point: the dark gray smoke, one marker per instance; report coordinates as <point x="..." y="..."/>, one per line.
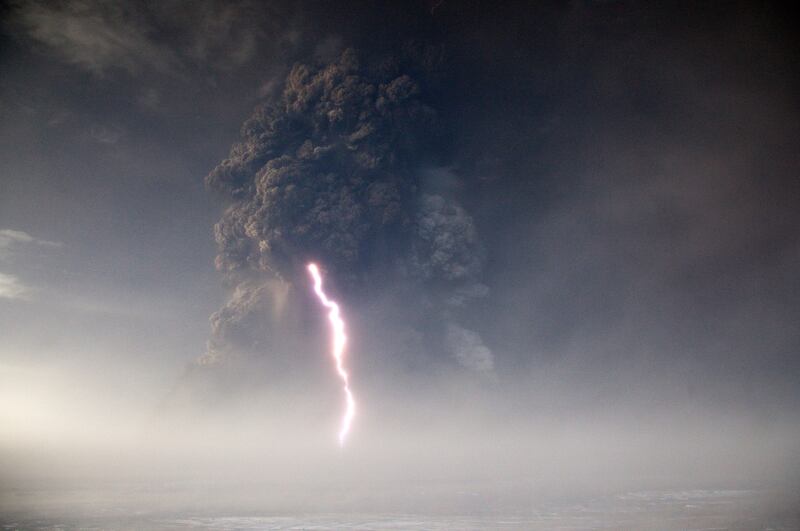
<point x="331" y="170"/>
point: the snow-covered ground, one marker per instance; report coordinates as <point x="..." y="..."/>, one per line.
<point x="651" y="510"/>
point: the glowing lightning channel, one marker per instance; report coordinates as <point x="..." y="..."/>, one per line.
<point x="339" y="341"/>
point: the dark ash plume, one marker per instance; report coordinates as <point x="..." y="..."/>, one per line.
<point x="326" y="170"/>
<point x="330" y="170"/>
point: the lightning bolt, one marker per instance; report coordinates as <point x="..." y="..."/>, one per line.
<point x="337" y="349"/>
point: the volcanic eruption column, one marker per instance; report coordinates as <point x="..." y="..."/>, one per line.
<point x="339" y="341"/>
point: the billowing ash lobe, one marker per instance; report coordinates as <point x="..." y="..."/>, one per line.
<point x="331" y="170"/>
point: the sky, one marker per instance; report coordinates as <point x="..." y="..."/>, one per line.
<point x="551" y="225"/>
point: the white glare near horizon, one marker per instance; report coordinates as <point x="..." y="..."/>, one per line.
<point x="337" y="349"/>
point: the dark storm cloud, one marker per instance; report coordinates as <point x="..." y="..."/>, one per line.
<point x="648" y="247"/>
<point x="331" y="170"/>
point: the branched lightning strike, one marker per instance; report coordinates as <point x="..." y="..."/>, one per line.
<point x="339" y="342"/>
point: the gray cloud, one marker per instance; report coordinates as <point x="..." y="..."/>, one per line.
<point x="105" y="134"/>
<point x="447" y="245"/>
<point x="96" y="35"/>
<point x="227" y="34"/>
<point x="467" y="293"/>
<point x="468" y="348"/>
<point x="149" y="99"/>
<point x="166" y="37"/>
<point x="233" y="326"/>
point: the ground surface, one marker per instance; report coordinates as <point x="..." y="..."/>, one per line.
<point x="651" y="510"/>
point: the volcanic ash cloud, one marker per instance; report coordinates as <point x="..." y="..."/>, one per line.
<point x="329" y="170"/>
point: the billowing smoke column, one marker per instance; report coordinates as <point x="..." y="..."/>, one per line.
<point x="337" y="350"/>
<point x="334" y="167"/>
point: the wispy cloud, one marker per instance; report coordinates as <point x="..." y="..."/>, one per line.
<point x="12" y="288"/>
<point x="105" y="135"/>
<point x="136" y="37"/>
<point x="10" y="285"/>
<point x="468" y="348"/>
<point x="96" y="35"/>
<point x="11" y="237"/>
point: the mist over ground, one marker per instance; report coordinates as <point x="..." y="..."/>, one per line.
<point x="563" y="237"/>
